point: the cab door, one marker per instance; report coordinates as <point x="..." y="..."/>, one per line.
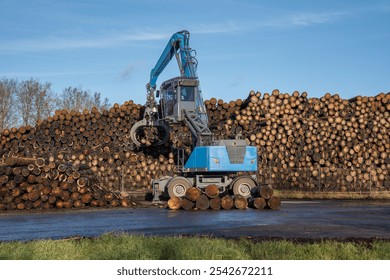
<point x="168" y="103"/>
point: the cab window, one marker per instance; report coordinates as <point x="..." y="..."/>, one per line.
<point x="170" y="95"/>
<point x="187" y="93"/>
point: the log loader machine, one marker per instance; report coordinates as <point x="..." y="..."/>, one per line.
<point x="230" y="163"/>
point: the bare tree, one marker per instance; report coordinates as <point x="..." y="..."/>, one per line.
<point x="78" y="99"/>
<point x="7" y="102"/>
<point x="27" y="102"/>
<point x="35" y="101"/>
<point x="98" y="103"/>
<point x="74" y="99"/>
<point x="25" y="99"/>
<point x="44" y="102"/>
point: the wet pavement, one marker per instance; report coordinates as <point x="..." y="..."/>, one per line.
<point x="307" y="220"/>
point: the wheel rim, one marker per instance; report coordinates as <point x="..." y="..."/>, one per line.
<point x="244" y="189"/>
<point x="179" y="190"/>
<point x="243" y="186"/>
<point x="178" y="186"/>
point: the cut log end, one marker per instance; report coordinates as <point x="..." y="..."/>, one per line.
<point x="240" y="202"/>
<point x="227" y="202"/>
<point x="202" y="203"/>
<point x="212" y="191"/>
<point x="174" y="203"/>
<point x="258" y="202"/>
<point x="274" y="202"/>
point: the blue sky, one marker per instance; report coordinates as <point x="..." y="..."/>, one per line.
<point x="111" y="46"/>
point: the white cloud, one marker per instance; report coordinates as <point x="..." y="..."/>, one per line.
<point x="286" y="21"/>
<point x="52" y="43"/>
<point x="315" y="18"/>
<point x="222" y="27"/>
<point x="45" y="74"/>
<point x="116" y="38"/>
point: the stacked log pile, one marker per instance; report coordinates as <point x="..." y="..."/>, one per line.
<point x="94" y="145"/>
<point x="326" y="143"/>
<point x="98" y="140"/>
<point x="28" y="183"/>
<point x="262" y="197"/>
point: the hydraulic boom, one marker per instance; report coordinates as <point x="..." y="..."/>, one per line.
<point x="181" y="98"/>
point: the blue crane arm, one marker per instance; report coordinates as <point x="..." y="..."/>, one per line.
<point x="178" y="46"/>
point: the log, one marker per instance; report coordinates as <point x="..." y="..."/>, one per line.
<point x="78" y="204"/>
<point x="227" y="202"/>
<point x="174" y="203"/>
<point x="86" y="198"/>
<point x="202" y="202"/>
<point x="19" y="161"/>
<point x="215" y="203"/>
<point x="125" y="202"/>
<point x="34" y="195"/>
<point x="265" y="191"/>
<point x="193" y="193"/>
<point x="240" y="202"/>
<point x="187" y="204"/>
<point x="274" y="202"/>
<point x="82" y="182"/>
<point x="212" y="191"/>
<point x="40" y="162"/>
<point x="257" y="202"/>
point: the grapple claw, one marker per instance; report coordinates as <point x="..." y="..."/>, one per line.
<point x="149" y="133"/>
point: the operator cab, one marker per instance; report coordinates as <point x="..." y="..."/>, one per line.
<point x="179" y="94"/>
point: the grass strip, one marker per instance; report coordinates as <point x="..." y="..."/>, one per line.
<point x="131" y="247"/>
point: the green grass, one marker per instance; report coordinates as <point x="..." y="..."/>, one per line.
<point x="121" y="247"/>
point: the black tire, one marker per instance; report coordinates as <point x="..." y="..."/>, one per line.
<point x="178" y="186"/>
<point x="242" y="186"/>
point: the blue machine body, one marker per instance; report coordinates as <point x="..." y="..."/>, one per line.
<point x="217" y="159"/>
